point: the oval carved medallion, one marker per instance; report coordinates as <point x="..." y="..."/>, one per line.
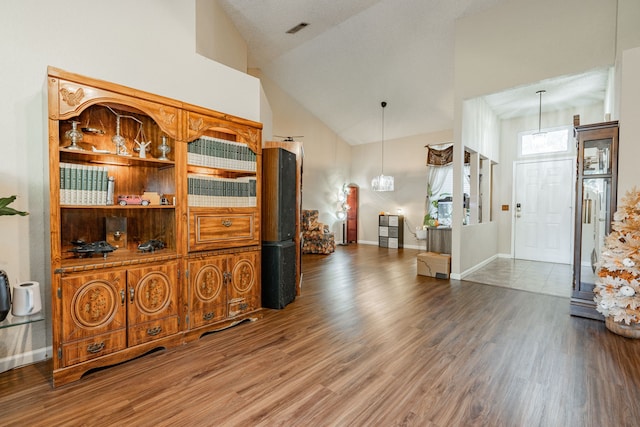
<point x="208" y="283"/>
<point x="243" y="276"/>
<point x="153" y="292"/>
<point x="94" y="304"/>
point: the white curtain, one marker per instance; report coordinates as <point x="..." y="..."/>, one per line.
<point x="436" y="177"/>
<point x="467" y="177"/>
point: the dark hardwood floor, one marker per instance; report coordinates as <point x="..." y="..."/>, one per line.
<point x="369" y="343"/>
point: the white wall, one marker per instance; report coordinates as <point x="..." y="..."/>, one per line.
<point x="503" y="190"/>
<point x="520" y="41"/>
<point x="628" y="163"/>
<point x="217" y="37"/>
<point x="480" y="129"/>
<point x="144" y="44"/>
<point x="327" y="158"/>
<point x="516" y="43"/>
<point x="405" y="160"/>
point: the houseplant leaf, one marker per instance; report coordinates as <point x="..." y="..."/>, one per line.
<point x="6" y="210"/>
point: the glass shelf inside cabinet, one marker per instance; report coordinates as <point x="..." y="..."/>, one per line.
<point x="20" y="320"/>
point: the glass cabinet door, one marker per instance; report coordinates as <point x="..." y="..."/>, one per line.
<point x="597" y="157"/>
<point x="596" y="224"/>
<point x="595" y="204"/>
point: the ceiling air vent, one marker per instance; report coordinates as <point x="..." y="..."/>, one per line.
<point x="297" y="28"/>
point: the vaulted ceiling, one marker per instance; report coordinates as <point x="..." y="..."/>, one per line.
<point x="356" y="53"/>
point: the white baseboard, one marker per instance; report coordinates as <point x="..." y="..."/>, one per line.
<point x="27" y="358"/>
<point x="368" y="242"/>
<point x="476" y="267"/>
<point x="415" y="247"/>
<point x="372" y="243"/>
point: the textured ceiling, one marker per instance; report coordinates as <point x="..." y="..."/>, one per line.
<point x="356" y="53"/>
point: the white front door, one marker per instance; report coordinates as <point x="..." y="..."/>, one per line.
<point x="543" y="211"/>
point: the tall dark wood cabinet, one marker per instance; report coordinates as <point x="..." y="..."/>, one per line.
<point x="278" y="227"/>
<point x="279" y="195"/>
<point x="596" y="195"/>
<point x="296" y="148"/>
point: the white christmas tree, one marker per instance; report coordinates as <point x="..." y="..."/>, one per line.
<point x="617" y="290"/>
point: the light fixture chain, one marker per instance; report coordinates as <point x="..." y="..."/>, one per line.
<point x="382" y="182"/>
<point x="382" y="165"/>
<point x="540" y="92"/>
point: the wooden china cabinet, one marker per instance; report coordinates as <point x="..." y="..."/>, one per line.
<point x="154" y="219"/>
<point x="223" y="249"/>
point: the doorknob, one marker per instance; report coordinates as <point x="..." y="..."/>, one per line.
<point x="518" y="210"/>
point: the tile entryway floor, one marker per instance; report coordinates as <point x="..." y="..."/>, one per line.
<point x="539" y="277"/>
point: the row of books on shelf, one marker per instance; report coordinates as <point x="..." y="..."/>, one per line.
<point x="220" y="153"/>
<point x="206" y="191"/>
<point x="83" y="184"/>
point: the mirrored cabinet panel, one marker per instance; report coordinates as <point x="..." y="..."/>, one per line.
<point x="597" y="148"/>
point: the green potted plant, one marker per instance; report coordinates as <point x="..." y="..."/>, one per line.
<point x="5" y="290"/>
<point x="6" y="210"/>
<point x="429" y="219"/>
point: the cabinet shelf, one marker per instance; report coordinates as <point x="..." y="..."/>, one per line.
<point x="216" y="171"/>
<point x="11" y="321"/>
<point x="118" y="258"/>
<point x="111" y="159"/>
<point x="119" y="207"/>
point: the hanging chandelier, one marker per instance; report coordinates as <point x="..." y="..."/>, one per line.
<point x="540" y="136"/>
<point x="382" y="182"/>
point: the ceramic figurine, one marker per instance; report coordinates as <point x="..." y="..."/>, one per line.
<point x="141" y="147"/>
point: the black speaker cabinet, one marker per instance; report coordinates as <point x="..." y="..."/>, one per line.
<point x="278" y="273"/>
<point x="278" y="195"/>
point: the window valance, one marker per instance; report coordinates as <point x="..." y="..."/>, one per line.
<point x="444" y="157"/>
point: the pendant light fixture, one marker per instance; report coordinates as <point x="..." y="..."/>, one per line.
<point x="382" y="182"/>
<point x="540" y="136"/>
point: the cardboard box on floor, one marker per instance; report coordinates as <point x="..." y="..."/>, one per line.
<point x="433" y="264"/>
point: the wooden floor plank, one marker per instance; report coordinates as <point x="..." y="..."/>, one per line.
<point x="367" y="343"/>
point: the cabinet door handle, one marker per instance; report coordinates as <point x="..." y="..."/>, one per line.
<point x="208" y="316"/>
<point x="122" y="297"/>
<point x="96" y="347"/>
<point x="227" y="222"/>
<point x="154" y="331"/>
<point x="132" y="293"/>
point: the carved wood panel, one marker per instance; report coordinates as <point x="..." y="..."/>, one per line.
<point x="244" y="288"/>
<point x="152" y="293"/>
<point x="92" y="304"/>
<point x="199" y="124"/>
<point x="74" y="98"/>
<point x="208" y="290"/>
